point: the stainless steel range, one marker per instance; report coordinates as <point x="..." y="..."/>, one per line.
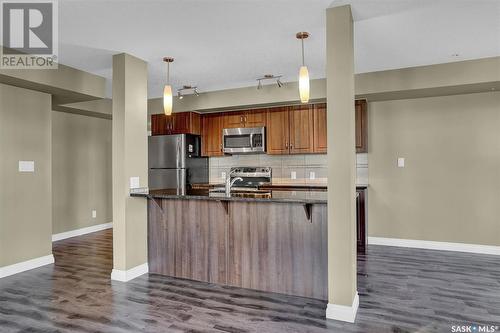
<point x="245" y="182"/>
<point x="251" y="177"/>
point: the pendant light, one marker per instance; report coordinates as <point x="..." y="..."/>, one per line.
<point x="167" y="91"/>
<point x="303" y="72"/>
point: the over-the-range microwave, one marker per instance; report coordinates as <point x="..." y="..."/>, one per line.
<point x="246" y="140"/>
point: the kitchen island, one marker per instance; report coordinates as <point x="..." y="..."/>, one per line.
<point x="271" y="240"/>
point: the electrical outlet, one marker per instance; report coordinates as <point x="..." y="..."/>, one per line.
<point x="26" y="166"/>
<point x="223" y="175"/>
<point x="293" y="175"/>
<point x="94" y="213"/>
<point x="134" y="182"/>
<point x="401" y="162"/>
<point x="312" y="175"/>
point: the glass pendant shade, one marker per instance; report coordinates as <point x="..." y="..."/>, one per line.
<point x="167" y="100"/>
<point x="304" y="84"/>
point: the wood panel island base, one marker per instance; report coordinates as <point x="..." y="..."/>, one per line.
<point x="263" y="244"/>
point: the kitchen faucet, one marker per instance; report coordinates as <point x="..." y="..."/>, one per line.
<point x="230" y="183"/>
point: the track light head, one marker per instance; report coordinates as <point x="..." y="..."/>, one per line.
<point x="259" y="85"/>
<point x="196" y="92"/>
<point x="180" y="95"/>
<point x="280" y="84"/>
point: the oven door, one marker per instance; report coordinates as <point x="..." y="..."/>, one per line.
<point x="243" y="140"/>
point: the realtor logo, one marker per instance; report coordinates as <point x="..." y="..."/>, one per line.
<point x="29" y="34"/>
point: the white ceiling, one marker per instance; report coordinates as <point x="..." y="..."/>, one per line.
<point x="220" y="44"/>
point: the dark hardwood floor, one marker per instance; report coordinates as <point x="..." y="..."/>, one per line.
<point x="401" y="290"/>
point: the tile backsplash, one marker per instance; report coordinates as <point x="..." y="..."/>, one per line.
<point x="310" y="169"/>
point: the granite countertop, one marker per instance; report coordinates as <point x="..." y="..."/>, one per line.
<point x="284" y="196"/>
<point x="287" y="186"/>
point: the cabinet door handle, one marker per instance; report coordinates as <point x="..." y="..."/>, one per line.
<point x="286" y="144"/>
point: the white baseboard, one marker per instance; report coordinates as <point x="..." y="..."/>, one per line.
<point x="343" y="312"/>
<point x="82" y="231"/>
<point x="26" y="265"/>
<point x="130" y="274"/>
<point x="432" y="245"/>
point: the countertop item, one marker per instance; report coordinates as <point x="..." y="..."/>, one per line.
<point x="288" y="196"/>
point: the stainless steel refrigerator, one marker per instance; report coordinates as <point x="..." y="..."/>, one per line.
<point x="175" y="162"/>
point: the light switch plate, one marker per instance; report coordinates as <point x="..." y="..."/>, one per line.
<point x="94" y="213"/>
<point x="401" y="162"/>
<point x="134" y="182"/>
<point x="312" y="175"/>
<point x="293" y="175"/>
<point x="26" y="166"/>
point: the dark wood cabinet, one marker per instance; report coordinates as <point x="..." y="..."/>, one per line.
<point x="256" y="118"/>
<point x="234" y="119"/>
<point x="290" y="130"/>
<point x="278" y="136"/>
<point x="361" y="219"/>
<point x="361" y="126"/>
<point x="319" y="128"/>
<point x="301" y="129"/>
<point x="158" y="124"/>
<point x="177" y="123"/>
<point x="211" y="134"/>
<point x="248" y="118"/>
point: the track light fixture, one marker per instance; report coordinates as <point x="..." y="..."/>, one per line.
<point x="270" y="77"/>
<point x="181" y="92"/>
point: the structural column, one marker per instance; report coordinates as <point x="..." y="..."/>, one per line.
<point x="342" y="295"/>
<point x="130" y="160"/>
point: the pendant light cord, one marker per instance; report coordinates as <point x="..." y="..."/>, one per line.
<point x="168" y="73"/>
<point x="303" y="62"/>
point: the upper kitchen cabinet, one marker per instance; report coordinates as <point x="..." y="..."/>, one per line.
<point x="290" y="130"/>
<point x="361" y="126"/>
<point x="301" y="129"/>
<point x="177" y="123"/>
<point x="319" y="128"/>
<point x="278" y="136"/>
<point x="249" y="118"/>
<point x="234" y="119"/>
<point x="211" y="134"/>
<point x="158" y="124"/>
<point x="256" y="118"/>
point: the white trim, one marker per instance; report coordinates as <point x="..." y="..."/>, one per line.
<point x="82" y="231"/>
<point x="343" y="312"/>
<point x="26" y="265"/>
<point x="432" y="245"/>
<point x="125" y="276"/>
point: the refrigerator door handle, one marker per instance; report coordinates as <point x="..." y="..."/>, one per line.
<point x="178" y="149"/>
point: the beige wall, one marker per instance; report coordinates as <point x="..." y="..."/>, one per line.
<point x="449" y="189"/>
<point x="25" y="198"/>
<point x="81" y="171"/>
